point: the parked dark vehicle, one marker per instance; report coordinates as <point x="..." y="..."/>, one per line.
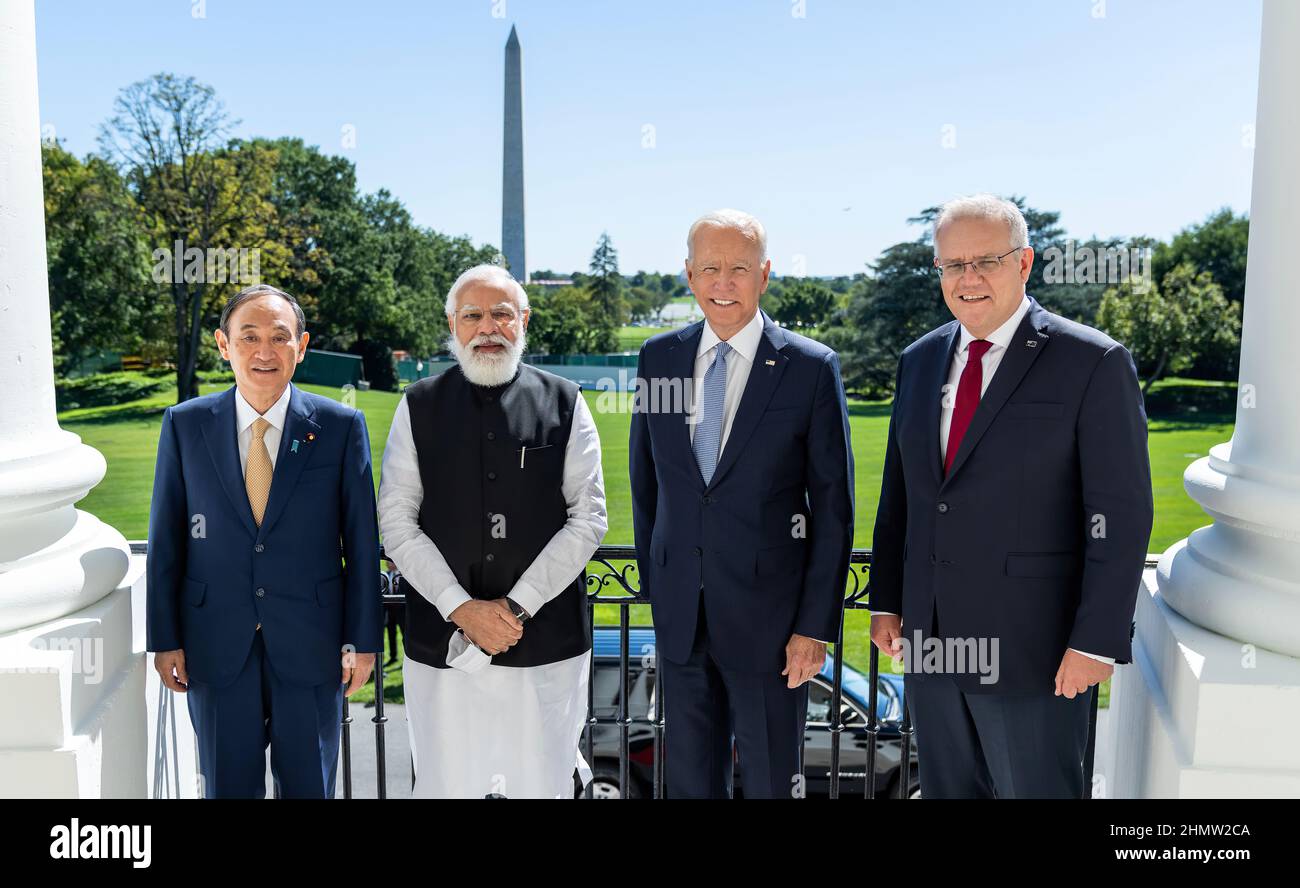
<point x="855" y="701"/>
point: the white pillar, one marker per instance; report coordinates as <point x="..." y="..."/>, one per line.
<point x="67" y="662"/>
<point x="1214" y="707"/>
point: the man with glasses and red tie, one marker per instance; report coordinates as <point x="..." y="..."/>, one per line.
<point x="1014" y="515"/>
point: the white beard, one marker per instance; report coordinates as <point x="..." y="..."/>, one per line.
<point x="488" y="369"/>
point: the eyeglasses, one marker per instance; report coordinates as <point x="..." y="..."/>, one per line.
<point x="502" y="314"/>
<point x="983" y="266"/>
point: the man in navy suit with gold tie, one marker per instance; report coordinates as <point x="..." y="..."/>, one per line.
<point x="263" y="600"/>
<point x="1014" y="515"/>
<point x="742" y="505"/>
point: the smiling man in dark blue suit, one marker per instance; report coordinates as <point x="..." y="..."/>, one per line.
<point x="742" y="501"/>
<point x="263" y="600"/>
<point x="1014" y="515"/>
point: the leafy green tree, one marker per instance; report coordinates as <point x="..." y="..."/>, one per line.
<point x="100" y="294"/>
<point x="568" y="321"/>
<point x="1166" y="327"/>
<point x="605" y="283"/>
<point x="167" y="136"/>
<point x="800" y="303"/>
<point x="1218" y="246"/>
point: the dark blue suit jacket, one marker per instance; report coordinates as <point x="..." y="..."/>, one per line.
<point x="213" y="574"/>
<point x="767" y="542"/>
<point x="1038" y="535"/>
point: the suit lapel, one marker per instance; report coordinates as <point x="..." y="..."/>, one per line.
<point x="1027" y="344"/>
<point x="932" y="390"/>
<point x="762" y="382"/>
<point x="681" y="367"/>
<point x="221" y="437"/>
<point x="290" y="461"/>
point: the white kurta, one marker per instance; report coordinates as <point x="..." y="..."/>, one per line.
<point x="510" y="731"/>
<point x="505" y="731"/>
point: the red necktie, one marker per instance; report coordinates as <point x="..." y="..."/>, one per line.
<point x="968" y="398"/>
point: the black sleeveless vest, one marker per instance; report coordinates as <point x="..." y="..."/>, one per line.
<point x="489" y="512"/>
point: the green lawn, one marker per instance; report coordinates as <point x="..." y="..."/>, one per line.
<point x="127" y="436"/>
<point x="630" y="338"/>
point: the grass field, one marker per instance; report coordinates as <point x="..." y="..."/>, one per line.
<point x="630" y="338"/>
<point x="127" y="436"/>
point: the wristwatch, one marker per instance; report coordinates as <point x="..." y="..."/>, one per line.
<point x="515" y="609"/>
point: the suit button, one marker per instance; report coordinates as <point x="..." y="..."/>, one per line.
<point x="259" y="548"/>
<point x="492" y="436"/>
<point x="261" y="593"/>
<point x="943" y="508"/>
<point x="492" y="476"/>
<point x="698" y="551"/>
<point x="933" y="560"/>
<point x="706" y="500"/>
<point x="491" y="557"/>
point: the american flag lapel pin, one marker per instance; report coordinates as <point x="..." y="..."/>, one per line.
<point x="1032" y="343"/>
<point x="770" y="363"/>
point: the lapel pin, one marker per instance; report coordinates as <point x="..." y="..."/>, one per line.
<point x="311" y="436"/>
<point x="770" y="363"/>
<point x="293" y="448"/>
<point x="1032" y="343"/>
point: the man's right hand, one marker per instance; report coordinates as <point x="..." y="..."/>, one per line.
<point x="489" y="625"/>
<point x="887" y="633"/>
<point x="171" y="668"/>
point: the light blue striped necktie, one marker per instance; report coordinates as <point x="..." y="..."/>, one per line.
<point x="708" y="434"/>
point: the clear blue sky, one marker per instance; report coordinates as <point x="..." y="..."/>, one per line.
<point x="828" y="127"/>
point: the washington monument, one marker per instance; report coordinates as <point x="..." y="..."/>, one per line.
<point x="512" y="164"/>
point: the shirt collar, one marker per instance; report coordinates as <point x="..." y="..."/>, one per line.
<point x="745" y="340"/>
<point x="245" y="415"/>
<point x="1001" y="337"/>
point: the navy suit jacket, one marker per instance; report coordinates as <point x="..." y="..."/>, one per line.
<point x="767" y="541"/>
<point x="309" y="574"/>
<point x="1037" y="536"/>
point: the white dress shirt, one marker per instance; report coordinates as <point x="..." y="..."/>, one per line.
<point x="245" y="416"/>
<point x="401" y="492"/>
<point x="740" y="360"/>
<point x="1001" y="339"/>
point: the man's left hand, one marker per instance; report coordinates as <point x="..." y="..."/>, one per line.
<point x="804" y="657"/>
<point x="356" y="671"/>
<point x="1078" y="673"/>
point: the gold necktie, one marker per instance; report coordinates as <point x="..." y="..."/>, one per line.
<point x="257" y="474"/>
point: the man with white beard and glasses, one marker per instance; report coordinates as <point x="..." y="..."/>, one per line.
<point x="491" y="502"/>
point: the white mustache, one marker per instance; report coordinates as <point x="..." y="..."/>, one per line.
<point x="490" y="339"/>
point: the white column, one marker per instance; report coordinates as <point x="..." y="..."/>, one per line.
<point x="67" y="662"/>
<point x="1213" y="707"/>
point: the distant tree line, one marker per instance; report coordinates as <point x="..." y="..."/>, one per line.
<point x="142" y="237"/>
<point x="169" y="190"/>
<point x="1179" y="311"/>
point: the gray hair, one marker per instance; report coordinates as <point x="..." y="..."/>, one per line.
<point x="254" y="292"/>
<point x="735" y="220"/>
<point x="983" y="206"/>
<point x="494" y="275"/>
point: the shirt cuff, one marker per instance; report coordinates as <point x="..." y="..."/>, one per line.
<point x="1110" y="660"/>
<point x="527" y="597"/>
<point x="883" y="614"/>
<point x="451" y="598"/>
